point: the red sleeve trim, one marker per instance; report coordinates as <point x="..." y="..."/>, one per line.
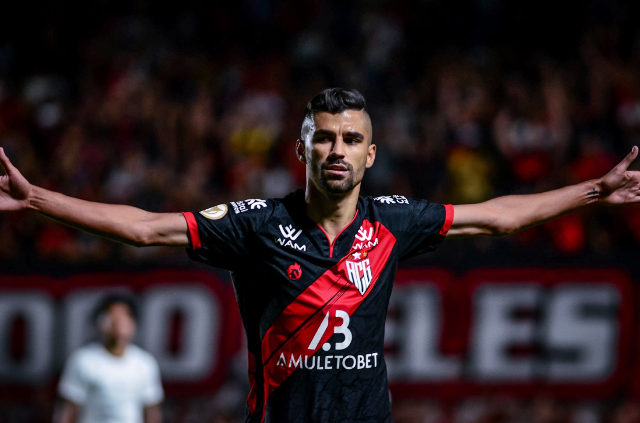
<point x="193" y="230"/>
<point x="448" y="219"/>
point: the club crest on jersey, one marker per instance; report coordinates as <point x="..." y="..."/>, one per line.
<point x="289" y="234"/>
<point x="359" y="273"/>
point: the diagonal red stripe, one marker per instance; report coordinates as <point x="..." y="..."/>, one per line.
<point x="293" y="330"/>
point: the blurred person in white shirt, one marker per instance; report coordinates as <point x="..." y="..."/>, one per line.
<point x="114" y="381"/>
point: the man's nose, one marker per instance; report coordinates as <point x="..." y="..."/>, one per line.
<point x="338" y="147"/>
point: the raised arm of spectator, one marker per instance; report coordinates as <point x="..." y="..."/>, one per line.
<point x="509" y="214"/>
<point x="117" y="222"/>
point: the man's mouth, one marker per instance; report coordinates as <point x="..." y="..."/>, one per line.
<point x="336" y="169"/>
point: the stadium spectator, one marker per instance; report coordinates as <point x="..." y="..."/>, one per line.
<point x="111" y="381"/>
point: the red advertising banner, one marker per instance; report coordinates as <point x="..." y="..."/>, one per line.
<point x="188" y="320"/>
<point x="568" y="333"/>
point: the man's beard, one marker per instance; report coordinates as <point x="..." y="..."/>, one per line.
<point x="334" y="185"/>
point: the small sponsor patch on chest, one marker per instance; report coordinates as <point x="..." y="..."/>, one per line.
<point x="290" y="238"/>
<point x="358" y="261"/>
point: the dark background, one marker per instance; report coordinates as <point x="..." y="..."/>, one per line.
<point x="184" y="105"/>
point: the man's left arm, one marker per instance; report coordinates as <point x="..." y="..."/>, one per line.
<point x="512" y="213"/>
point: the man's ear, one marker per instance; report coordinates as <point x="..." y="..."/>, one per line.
<point x="371" y="156"/>
<point x="300" y="151"/>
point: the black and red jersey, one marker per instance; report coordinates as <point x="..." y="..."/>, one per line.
<point x="314" y="311"/>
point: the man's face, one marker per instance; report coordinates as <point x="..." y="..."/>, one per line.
<point x="117" y="325"/>
<point x="338" y="151"/>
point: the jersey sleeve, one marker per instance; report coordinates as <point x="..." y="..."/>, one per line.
<point x="222" y="236"/>
<point x="152" y="392"/>
<point x="419" y="225"/>
<point x="73" y="383"/>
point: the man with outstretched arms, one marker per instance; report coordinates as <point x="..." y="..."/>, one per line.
<point x="313" y="271"/>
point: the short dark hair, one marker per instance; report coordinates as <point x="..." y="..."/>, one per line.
<point x="332" y="100"/>
<point x="116" y="298"/>
<point x="336" y="100"/>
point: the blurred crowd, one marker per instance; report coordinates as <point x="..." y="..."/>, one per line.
<point x="182" y="112"/>
<point x="186" y="107"/>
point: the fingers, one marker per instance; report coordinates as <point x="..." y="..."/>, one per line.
<point x="624" y="164"/>
<point x="4" y="161"/>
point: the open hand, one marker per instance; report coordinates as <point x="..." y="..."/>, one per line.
<point x="14" y="188"/>
<point x="620" y="185"/>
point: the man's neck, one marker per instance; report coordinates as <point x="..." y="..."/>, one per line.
<point x="332" y="212"/>
<point x="115" y="349"/>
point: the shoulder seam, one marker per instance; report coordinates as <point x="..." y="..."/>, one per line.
<point x="394" y="205"/>
<point x="273" y="211"/>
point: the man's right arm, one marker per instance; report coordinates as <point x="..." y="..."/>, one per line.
<point x="121" y="223"/>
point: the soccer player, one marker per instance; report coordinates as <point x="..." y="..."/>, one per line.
<point x="313" y="271"/>
<point x="113" y="380"/>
